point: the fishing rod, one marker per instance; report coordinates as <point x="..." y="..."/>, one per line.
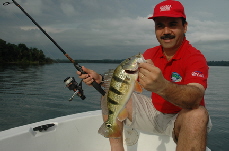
<point x="70" y="82"/>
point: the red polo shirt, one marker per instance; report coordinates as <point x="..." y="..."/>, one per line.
<point x="188" y="65"/>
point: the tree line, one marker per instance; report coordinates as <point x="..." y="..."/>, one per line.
<point x="11" y="53"/>
<point x="210" y="63"/>
<point x="218" y="63"/>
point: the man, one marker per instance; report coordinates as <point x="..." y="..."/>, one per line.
<point x="176" y="73"/>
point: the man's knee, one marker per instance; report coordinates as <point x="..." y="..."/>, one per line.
<point x="200" y="113"/>
<point x="192" y="120"/>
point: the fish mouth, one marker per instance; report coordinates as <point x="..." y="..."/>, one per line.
<point x="131" y="65"/>
<point x="131" y="71"/>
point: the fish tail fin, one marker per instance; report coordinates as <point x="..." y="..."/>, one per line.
<point x="110" y="131"/>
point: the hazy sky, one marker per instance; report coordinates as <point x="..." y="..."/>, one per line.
<point x="110" y="29"/>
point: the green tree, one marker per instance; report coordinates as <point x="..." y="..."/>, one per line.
<point x="11" y="53"/>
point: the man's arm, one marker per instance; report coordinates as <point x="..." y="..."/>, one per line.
<point x="185" y="96"/>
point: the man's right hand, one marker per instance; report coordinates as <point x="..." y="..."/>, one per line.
<point x="90" y="76"/>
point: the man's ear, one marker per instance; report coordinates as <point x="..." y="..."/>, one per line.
<point x="185" y="27"/>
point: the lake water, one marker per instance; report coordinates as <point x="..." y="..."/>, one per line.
<point x="34" y="93"/>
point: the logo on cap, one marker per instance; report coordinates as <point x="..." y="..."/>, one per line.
<point x="165" y="8"/>
<point x="168" y="8"/>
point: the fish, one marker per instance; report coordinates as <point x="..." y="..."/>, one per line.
<point x="123" y="82"/>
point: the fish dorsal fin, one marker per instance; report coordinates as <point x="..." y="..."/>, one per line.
<point x="138" y="88"/>
<point x="123" y="115"/>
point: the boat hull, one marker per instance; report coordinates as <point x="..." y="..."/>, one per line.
<point x="74" y="132"/>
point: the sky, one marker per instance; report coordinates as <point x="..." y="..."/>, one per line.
<point x="110" y="29"/>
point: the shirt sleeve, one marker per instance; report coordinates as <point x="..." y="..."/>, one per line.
<point x="196" y="70"/>
<point x="147" y="54"/>
<point x="151" y="53"/>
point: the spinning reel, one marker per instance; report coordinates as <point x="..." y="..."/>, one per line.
<point x="71" y="84"/>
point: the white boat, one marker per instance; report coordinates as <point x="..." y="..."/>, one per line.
<point x="77" y="132"/>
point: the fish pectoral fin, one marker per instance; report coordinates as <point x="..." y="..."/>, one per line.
<point x="123" y="115"/>
<point x="138" y="88"/>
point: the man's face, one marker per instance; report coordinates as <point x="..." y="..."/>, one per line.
<point x="169" y="32"/>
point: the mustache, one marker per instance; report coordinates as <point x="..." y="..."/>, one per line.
<point x="168" y="36"/>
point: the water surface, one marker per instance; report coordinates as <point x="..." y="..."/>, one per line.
<point x="34" y="93"/>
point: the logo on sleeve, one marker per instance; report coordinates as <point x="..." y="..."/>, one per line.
<point x="175" y="77"/>
<point x="197" y="74"/>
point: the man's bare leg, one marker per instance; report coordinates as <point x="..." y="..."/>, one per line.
<point x="191" y="129"/>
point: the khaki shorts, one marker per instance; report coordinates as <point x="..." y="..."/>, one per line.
<point x="148" y="120"/>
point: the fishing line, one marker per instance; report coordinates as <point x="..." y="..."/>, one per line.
<point x="36" y="31"/>
<point x="36" y="38"/>
<point x="77" y="87"/>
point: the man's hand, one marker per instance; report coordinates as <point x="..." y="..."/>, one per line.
<point x="185" y="96"/>
<point x="151" y="78"/>
<point x="90" y="76"/>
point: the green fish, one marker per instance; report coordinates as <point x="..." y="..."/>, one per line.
<point x="123" y="83"/>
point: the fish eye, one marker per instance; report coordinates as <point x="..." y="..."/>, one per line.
<point x="108" y="125"/>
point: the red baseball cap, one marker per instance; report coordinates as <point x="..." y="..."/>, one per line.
<point x="169" y="8"/>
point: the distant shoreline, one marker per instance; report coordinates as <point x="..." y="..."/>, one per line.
<point x="210" y="63"/>
<point x="22" y="55"/>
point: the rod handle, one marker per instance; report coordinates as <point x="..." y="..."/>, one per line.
<point x="94" y="84"/>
